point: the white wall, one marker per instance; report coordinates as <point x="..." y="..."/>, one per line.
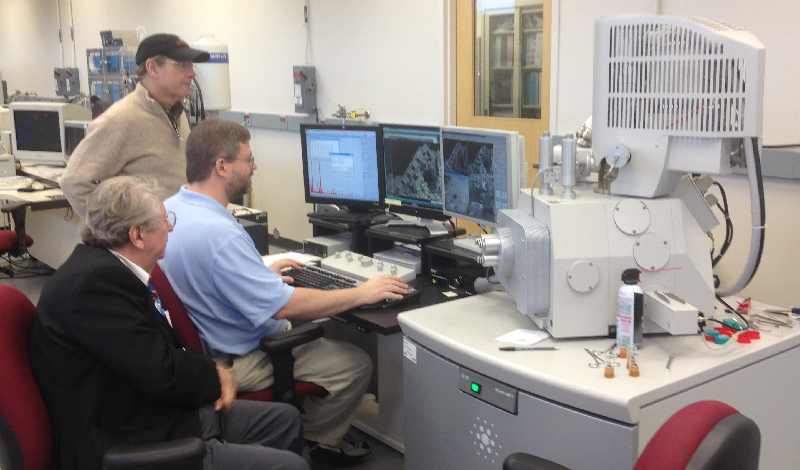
<point x="29" y="44"/>
<point x="383" y="55"/>
<point x="776" y="280"/>
<point x="573" y="56"/>
<point x="773" y="23"/>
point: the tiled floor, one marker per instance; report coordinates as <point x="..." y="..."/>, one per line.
<point x="383" y="458"/>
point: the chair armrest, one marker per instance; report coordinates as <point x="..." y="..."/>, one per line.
<point x="10" y="453"/>
<point x="279" y="349"/>
<point x="289" y="340"/>
<point x="184" y="453"/>
<point x="523" y="461"/>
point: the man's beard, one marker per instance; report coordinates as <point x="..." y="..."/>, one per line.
<point x="235" y="189"/>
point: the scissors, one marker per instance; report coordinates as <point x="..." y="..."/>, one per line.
<point x="598" y="361"/>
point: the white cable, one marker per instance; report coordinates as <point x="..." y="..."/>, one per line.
<point x="60" y="32"/>
<point x="758" y="215"/>
<point x="72" y="35"/>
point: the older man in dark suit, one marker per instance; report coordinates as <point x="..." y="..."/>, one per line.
<point x="110" y="367"/>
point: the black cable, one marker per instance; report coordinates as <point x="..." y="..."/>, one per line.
<point x="781" y="146"/>
<point x="202" y="105"/>
<point x="732" y="310"/>
<point x="763" y="215"/>
<point x="725" y="209"/>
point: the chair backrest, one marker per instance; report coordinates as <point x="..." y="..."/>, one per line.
<point x="707" y="435"/>
<point x="181" y="322"/>
<point x="21" y="404"/>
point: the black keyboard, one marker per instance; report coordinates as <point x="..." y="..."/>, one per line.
<point x="319" y="278"/>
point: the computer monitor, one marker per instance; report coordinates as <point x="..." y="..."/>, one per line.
<point x="413" y="170"/>
<point x="481" y="172"/>
<point x="38" y="130"/>
<point x="74" y="132"/>
<point x="342" y="166"/>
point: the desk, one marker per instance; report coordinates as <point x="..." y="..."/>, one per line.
<point x="46" y="217"/>
<point x="383" y="418"/>
<point x="566" y="411"/>
<point x="410" y="234"/>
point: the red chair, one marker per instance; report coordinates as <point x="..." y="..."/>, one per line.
<point x="10" y="245"/>
<point x="25" y="432"/>
<point x="707" y="435"/>
<point x="278" y="348"/>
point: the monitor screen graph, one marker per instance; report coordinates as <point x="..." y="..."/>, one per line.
<point x="341" y="165"/>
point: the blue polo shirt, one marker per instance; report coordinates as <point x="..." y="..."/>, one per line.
<point x="217" y="272"/>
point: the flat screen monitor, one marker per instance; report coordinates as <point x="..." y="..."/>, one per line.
<point x="38" y="130"/>
<point x="342" y="166"/>
<point x="413" y="170"/>
<point x="481" y="172"/>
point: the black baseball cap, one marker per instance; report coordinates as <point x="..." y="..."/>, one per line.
<point x="168" y="45"/>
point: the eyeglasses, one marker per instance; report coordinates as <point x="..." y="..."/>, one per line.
<point x="251" y="160"/>
<point x="171" y="219"/>
<point x="184" y="65"/>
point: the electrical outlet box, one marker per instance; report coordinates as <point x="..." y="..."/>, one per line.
<point x="305" y="89"/>
<point x="67" y="82"/>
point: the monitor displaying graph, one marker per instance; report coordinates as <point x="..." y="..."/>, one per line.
<point x="342" y="165"/>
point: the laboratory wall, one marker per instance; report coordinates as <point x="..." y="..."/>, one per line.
<point x="382" y="55"/>
<point x="29" y="44"/>
<point x="573" y="56"/>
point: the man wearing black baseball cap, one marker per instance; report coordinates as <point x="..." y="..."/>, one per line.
<point x="144" y="134"/>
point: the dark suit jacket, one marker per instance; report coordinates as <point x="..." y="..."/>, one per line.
<point x="109" y="366"/>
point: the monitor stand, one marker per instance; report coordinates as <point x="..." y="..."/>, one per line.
<point x="434" y="227"/>
<point x="362" y="217"/>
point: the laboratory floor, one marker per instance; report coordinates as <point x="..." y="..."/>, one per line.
<point x="383" y="457"/>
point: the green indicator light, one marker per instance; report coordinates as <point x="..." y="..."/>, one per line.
<point x="476" y="388"/>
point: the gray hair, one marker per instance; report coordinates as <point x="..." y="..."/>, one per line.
<point x="141" y="69"/>
<point x="115" y="206"/>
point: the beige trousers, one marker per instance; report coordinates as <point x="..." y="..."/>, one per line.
<point x="340" y="368"/>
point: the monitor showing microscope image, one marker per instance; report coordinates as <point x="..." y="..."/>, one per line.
<point x="480" y="174"/>
<point x="413" y="167"/>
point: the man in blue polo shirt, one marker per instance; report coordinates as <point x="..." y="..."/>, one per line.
<point x="235" y="300"/>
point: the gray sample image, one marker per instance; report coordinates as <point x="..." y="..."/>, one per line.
<point x="469" y="179"/>
<point x="412" y="170"/>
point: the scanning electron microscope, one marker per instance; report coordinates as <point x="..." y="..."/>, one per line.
<point x="673" y="99"/>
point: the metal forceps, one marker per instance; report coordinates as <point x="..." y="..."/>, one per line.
<point x="598" y="362"/>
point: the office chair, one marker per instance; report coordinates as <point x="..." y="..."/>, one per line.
<point x="706" y="435"/>
<point x="11" y="245"/>
<point x="278" y="348"/>
<point x="25" y="432"/>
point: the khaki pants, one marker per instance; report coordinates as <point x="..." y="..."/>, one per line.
<point x="340" y="368"/>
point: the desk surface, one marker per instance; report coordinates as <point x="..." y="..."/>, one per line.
<point x="384" y="321"/>
<point x="465" y="330"/>
<point x="45" y="199"/>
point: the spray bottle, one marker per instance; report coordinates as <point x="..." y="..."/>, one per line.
<point x="630" y="307"/>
